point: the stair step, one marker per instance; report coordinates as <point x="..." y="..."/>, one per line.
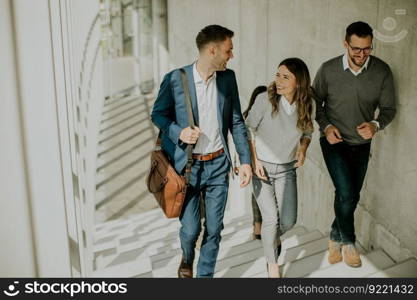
<point x="251" y="267"/>
<point x="163" y="246"/>
<point x="142" y="226"/>
<point x="110" y="168"/>
<point x="371" y="263"/>
<point x="296" y="239"/>
<point x="131" y="223"/>
<point x="162" y="259"/>
<point x="130" y="199"/>
<point x="108" y="257"/>
<point x="122" y="115"/>
<point x="169" y="270"/>
<point x="160" y="242"/>
<point x="126" y="151"/>
<point x="404" y="269"/>
<point x="165" y="265"/>
<point x="122" y="105"/>
<point x="123" y="232"/>
<point x="114" y="184"/>
<point x="108" y="104"/>
<point x="128" y="269"/>
<point x="304" y="250"/>
<point x="154" y="218"/>
<point x="108" y="139"/>
<point x="155" y="234"/>
<point x="144" y="275"/>
<point x="120" y="258"/>
<point x="313" y="259"/>
<point x="117" y="105"/>
<point x="237" y="236"/>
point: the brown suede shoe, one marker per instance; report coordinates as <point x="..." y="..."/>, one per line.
<point x="185" y="270"/>
<point x="351" y="256"/>
<point x="335" y="254"/>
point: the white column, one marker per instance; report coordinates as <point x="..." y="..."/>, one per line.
<point x="17" y="252"/>
<point x="160" y="38"/>
<point x="34" y="230"/>
<point x="83" y="58"/>
<point x="145" y="46"/>
<point x="135" y="47"/>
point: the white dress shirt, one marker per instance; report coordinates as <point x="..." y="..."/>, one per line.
<point x="346" y="65"/>
<point x="209" y="140"/>
<point x="288" y="108"/>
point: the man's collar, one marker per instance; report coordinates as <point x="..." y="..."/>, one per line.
<point x="346" y="64"/>
<point x="197" y="77"/>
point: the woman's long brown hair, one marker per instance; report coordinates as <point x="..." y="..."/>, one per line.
<point x="303" y="96"/>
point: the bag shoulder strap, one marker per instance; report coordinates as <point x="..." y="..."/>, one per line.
<point x="191" y="123"/>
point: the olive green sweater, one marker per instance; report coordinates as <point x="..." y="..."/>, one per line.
<point x="345" y="100"/>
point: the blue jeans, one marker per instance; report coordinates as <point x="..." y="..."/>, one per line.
<point x="211" y="179"/>
<point x="347" y="165"/>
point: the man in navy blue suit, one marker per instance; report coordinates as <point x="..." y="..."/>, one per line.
<point x="216" y="110"/>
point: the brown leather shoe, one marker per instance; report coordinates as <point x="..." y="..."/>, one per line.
<point x="185" y="270"/>
<point x="335" y="254"/>
<point x="351" y="256"/>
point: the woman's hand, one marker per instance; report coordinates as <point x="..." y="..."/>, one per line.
<point x="259" y="170"/>
<point x="300" y="156"/>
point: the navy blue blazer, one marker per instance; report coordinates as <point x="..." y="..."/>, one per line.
<point x="169" y="114"/>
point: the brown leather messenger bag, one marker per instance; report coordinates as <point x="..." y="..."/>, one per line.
<point x="167" y="186"/>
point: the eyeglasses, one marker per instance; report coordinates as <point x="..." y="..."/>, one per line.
<point x="357" y="50"/>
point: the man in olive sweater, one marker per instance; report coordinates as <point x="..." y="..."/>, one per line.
<point x="349" y="89"/>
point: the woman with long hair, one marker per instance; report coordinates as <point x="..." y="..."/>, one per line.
<point x="280" y="125"/>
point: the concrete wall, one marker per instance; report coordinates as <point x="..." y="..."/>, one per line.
<point x="267" y="32"/>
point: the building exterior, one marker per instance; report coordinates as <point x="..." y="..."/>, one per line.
<point x="61" y="60"/>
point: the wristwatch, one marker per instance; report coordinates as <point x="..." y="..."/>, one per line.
<point x="377" y="125"/>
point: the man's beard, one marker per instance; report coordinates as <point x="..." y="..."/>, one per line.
<point x="354" y="61"/>
<point x="220" y="66"/>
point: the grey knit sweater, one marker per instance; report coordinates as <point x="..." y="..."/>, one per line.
<point x="346" y="101"/>
<point x="276" y="137"/>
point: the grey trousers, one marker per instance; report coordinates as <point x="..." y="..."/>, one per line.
<point x="277" y="201"/>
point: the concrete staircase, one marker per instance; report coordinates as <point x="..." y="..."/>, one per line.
<point x="130" y="242"/>
<point x="126" y="138"/>
<point x="147" y="245"/>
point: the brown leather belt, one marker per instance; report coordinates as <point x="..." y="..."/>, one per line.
<point x="207" y="157"/>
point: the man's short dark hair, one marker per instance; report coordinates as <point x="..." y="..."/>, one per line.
<point x="212" y="33"/>
<point x="361" y="29"/>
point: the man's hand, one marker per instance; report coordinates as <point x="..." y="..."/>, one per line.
<point x="245" y="174"/>
<point x="301" y="156"/>
<point x="258" y="169"/>
<point x="190" y="136"/>
<point x="333" y="135"/>
<point x="366" y="130"/>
